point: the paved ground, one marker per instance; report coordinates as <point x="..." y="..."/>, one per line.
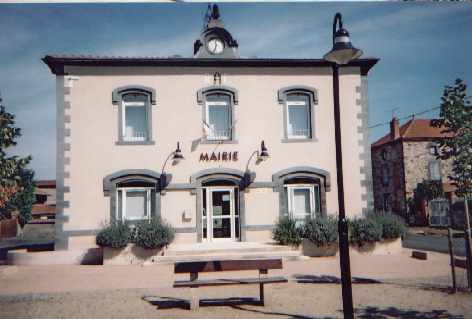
<point x="409" y="288"/>
<point x="435" y="243"/>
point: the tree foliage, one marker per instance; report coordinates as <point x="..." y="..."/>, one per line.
<point x="16" y="180"/>
<point x="456" y="121"/>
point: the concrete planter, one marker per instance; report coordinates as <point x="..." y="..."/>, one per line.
<point x="131" y="255"/>
<point x="381" y="248"/>
<point x="311" y="250"/>
<point x="9" y="227"/>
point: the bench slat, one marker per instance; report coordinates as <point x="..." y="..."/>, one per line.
<point x="232" y="281"/>
<point x="226" y="265"/>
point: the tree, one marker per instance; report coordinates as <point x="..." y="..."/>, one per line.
<point x="16" y="180"/>
<point x="456" y="121"/>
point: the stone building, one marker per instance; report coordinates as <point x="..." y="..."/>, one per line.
<point x="404" y="157"/>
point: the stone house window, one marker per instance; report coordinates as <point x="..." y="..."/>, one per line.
<point x="434" y="170"/>
<point x="385" y="175"/>
<point x="386" y="202"/>
<point x="384" y="154"/>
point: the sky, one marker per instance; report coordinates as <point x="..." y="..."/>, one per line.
<point x="421" y="46"/>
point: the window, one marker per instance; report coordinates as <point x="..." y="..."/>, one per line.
<point x="433" y="149"/>
<point x="135" y="118"/>
<point x="303" y="201"/>
<point x="133" y="203"/>
<point x="434" y="171"/>
<point x="218" y="114"/>
<point x="299" y="113"/>
<point x="384" y="154"/>
<point x="298" y="116"/>
<point x="134" y="193"/>
<point x="386" y="202"/>
<point x="385" y="175"/>
<point x="218" y="117"/>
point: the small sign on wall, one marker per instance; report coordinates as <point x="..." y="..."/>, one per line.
<point x="219" y="156"/>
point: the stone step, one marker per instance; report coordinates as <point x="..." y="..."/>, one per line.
<point x="285" y="255"/>
<point x="224" y="248"/>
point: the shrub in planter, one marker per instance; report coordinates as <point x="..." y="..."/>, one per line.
<point x="321" y="231"/>
<point x="392" y="226"/>
<point x="364" y="231"/>
<point x="286" y="232"/>
<point x="153" y="234"/>
<point x="115" y="235"/>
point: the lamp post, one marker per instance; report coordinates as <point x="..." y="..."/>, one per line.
<point x="341" y="53"/>
<point x="176" y="158"/>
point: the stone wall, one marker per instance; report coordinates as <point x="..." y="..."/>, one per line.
<point x="417" y="159"/>
<point x="393" y="165"/>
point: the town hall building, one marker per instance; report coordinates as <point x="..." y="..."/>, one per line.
<point x="217" y="145"/>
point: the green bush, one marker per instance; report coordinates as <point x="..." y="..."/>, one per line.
<point x="364" y="230"/>
<point x="392" y="226"/>
<point x="115" y="235"/>
<point x="321" y="231"/>
<point x="153" y="234"/>
<point x="286" y="232"/>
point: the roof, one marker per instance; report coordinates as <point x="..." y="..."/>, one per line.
<point x="56" y="62"/>
<point x="414" y="130"/>
<point x="45" y="183"/>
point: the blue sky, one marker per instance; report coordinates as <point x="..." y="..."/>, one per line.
<point x="422" y="47"/>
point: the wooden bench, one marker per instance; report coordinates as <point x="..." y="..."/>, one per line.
<point x="196" y="267"/>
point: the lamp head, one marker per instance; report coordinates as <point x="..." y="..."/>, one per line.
<point x="263" y="154"/>
<point x="343" y="51"/>
<point x="177" y="157"/>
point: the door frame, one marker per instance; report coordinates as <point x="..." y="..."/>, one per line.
<point x="234" y="212"/>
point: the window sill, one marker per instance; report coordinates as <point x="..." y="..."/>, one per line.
<point x="299" y="140"/>
<point x="135" y="143"/>
<point x="205" y="141"/>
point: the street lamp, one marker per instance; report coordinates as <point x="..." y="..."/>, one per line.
<point x="341" y="53"/>
<point x="176" y="158"/>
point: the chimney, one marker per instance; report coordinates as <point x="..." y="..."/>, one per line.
<point x="394" y="129"/>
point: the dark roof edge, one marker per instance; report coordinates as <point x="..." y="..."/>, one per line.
<point x="56" y="63"/>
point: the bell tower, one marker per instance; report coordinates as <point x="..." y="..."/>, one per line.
<point x="215" y="41"/>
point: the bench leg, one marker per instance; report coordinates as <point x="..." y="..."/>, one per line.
<point x="195" y="301"/>
<point x="261" y="293"/>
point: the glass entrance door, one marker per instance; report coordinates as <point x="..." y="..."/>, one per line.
<point x="220" y="216"/>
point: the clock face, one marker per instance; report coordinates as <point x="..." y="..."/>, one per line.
<point x="215" y="46"/>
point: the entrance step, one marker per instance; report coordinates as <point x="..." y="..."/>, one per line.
<point x="227" y="250"/>
<point x="285" y="255"/>
<point x="223" y="248"/>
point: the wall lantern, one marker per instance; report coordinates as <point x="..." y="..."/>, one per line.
<point x="176" y="158"/>
<point x="263" y="155"/>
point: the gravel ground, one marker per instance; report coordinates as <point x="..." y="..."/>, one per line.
<point x="291" y="300"/>
<point x="418" y="290"/>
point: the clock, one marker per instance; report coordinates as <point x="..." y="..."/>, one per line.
<point x="215" y="46"/>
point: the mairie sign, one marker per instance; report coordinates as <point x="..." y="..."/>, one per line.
<point x="219" y="156"/>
